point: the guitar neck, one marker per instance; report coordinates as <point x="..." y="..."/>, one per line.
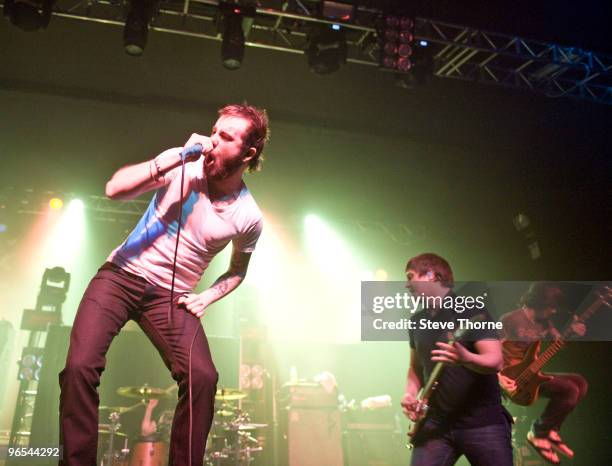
<point x="557" y="345"/>
<point x="547" y="354"/>
<point x="431" y="381"/>
<point x="587" y="314"/>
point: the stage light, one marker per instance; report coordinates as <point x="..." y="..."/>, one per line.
<point x="232" y="47"/>
<point x="397" y="44"/>
<point x="521" y="221"/>
<point x="404" y="64"/>
<point x="237" y="21"/>
<point x="336" y="272"/>
<point x="30" y="364"/>
<point x="423" y="43"/>
<point x="136" y="30"/>
<point x="29" y="15"/>
<point x="415" y="68"/>
<point x="65" y="238"/>
<point x="56" y="203"/>
<point x="77" y="205"/>
<point x="327" y="49"/>
<point x="366" y="276"/>
<point x="3" y="228"/>
<point x="381" y="275"/>
<point x="327" y="247"/>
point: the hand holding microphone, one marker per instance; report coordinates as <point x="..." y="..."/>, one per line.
<point x="195" y="147"/>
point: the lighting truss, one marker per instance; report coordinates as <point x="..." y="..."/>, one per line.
<point x="101" y="208"/>
<point x="33" y="202"/>
<point x="459" y="52"/>
<point x="510" y="61"/>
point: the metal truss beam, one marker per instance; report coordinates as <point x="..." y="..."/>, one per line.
<point x="30" y="201"/>
<point x="101" y="208"/>
<point x="510" y="61"/>
<point x="459" y="52"/>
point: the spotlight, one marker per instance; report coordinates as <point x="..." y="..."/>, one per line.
<point x="29" y="15"/>
<point x="53" y="289"/>
<point x="397" y="43"/>
<point x="381" y="275"/>
<point x="237" y="21"/>
<point x="136" y="28"/>
<point x="30" y="364"/>
<point x="56" y="203"/>
<point x="76" y="205"/>
<point x="327" y="49"/>
<point x="521" y="221"/>
<point x="232" y="47"/>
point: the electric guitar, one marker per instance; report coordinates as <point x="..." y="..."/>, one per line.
<point x="527" y="374"/>
<point x="425" y="393"/>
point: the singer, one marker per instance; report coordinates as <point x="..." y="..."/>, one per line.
<point x="151" y="276"/>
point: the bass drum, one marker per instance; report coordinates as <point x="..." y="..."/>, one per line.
<point x="149" y="453"/>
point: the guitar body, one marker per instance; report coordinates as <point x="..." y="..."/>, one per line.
<point x="527" y="381"/>
<point x="527" y="375"/>
<point x="413" y="428"/>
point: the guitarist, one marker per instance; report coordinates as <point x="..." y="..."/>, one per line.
<point x="465" y="415"/>
<point x="524" y="326"/>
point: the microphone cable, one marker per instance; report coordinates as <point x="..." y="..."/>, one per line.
<point x="184" y="153"/>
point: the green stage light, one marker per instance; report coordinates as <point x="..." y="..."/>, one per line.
<point x="66" y="236"/>
<point x="76" y="205"/>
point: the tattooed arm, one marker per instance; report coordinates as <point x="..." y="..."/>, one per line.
<point x="224" y="285"/>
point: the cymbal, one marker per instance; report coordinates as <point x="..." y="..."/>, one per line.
<point x="104" y="429"/>
<point x="230" y="394"/>
<point x="248" y="426"/>
<point x="224" y="413"/>
<point x="143" y="392"/>
<point x="107" y="432"/>
<point x="116" y="409"/>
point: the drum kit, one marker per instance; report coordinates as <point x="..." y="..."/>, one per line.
<point x="231" y="441"/>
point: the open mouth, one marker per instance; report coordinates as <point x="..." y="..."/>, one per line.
<point x="209" y="160"/>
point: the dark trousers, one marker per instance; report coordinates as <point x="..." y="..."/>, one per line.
<point x="112" y="298"/>
<point x="564" y="392"/>
<point x="440" y="445"/>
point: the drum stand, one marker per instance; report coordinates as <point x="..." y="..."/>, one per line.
<point x="110" y="458"/>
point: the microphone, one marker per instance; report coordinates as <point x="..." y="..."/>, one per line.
<point x="190" y="151"/>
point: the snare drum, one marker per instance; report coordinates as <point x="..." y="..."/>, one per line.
<point x="149" y="453"/>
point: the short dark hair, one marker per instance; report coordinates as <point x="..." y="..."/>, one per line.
<point x="542" y="295"/>
<point x="430" y="262"/>
<point x="258" y="131"/>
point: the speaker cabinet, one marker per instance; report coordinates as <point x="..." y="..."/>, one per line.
<point x="314" y="437"/>
<point x="311" y="427"/>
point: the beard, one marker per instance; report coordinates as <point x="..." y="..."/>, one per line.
<point x="221" y="170"/>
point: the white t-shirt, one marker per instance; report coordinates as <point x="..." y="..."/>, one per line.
<point x="206" y="229"/>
